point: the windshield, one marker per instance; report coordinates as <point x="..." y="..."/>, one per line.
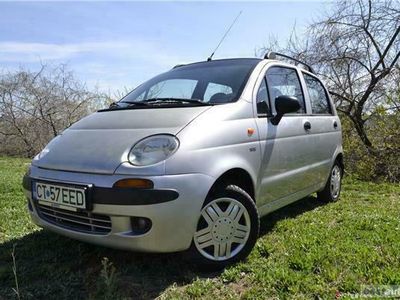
<point x="211" y="82"/>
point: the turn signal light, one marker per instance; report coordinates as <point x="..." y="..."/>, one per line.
<point x="134" y="183"/>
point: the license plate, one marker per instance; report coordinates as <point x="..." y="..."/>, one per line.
<point x="61" y="196"/>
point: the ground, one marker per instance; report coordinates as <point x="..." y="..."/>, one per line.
<point x="307" y="250"/>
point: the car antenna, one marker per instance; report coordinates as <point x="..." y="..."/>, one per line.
<point x="224" y="36"/>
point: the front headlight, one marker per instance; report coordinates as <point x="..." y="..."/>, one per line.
<point x="153" y="149"/>
<point x="46" y="149"/>
<point x="41" y="153"/>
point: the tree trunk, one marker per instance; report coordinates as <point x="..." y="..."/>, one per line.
<point x="360" y="128"/>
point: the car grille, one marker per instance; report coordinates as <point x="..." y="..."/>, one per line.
<point x="79" y="221"/>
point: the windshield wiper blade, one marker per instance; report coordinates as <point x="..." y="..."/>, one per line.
<point x="117" y="105"/>
<point x="136" y="103"/>
<point x="114" y="105"/>
<point x="174" y="100"/>
<point x="156" y="101"/>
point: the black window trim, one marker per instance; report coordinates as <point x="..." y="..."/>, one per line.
<point x="326" y="95"/>
<point x="268" y="115"/>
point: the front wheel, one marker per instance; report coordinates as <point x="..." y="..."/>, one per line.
<point x="227" y="228"/>
<point x="331" y="191"/>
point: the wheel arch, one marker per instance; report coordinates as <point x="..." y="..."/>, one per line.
<point x="236" y="176"/>
<point x="340" y="160"/>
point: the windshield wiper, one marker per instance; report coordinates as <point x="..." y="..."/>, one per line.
<point x="126" y="104"/>
<point x="155" y="101"/>
<point x="175" y="100"/>
<point x="136" y="103"/>
<point x="113" y="105"/>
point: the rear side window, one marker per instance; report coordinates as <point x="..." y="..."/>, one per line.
<point x="285" y="81"/>
<point x="318" y="97"/>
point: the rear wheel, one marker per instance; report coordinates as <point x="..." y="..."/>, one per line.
<point x="331" y="191"/>
<point x="227" y="228"/>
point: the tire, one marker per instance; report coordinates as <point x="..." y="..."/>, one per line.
<point x="227" y="228"/>
<point x="331" y="191"/>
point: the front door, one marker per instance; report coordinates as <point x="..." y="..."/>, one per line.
<point x="286" y="148"/>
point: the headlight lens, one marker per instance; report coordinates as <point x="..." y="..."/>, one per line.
<point x="41" y="153"/>
<point x="153" y="149"/>
<point x="46" y="149"/>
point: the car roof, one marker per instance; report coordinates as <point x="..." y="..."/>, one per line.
<point x="252" y="62"/>
<point x="221" y="62"/>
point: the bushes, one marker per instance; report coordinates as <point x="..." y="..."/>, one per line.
<point x="383" y="161"/>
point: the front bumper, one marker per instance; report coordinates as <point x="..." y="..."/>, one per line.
<point x="173" y="207"/>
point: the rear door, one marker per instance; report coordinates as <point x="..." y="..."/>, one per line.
<point x="286" y="148"/>
<point x="325" y="124"/>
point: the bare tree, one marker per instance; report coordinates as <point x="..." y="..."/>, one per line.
<point x="355" y="46"/>
<point x="36" y="106"/>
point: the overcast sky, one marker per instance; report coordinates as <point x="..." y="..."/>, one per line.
<point x="120" y="44"/>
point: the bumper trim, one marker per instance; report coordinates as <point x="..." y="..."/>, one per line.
<point x="122" y="196"/>
<point x="130" y="196"/>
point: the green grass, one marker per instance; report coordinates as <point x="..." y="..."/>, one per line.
<point x="306" y="250"/>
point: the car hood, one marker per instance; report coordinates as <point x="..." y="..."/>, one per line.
<point x="100" y="142"/>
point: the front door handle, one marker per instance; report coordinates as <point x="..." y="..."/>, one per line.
<point x="307" y="126"/>
<point x="335" y="125"/>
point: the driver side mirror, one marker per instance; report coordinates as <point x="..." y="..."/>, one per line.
<point x="283" y="105"/>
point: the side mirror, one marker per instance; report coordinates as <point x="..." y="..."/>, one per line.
<point x="284" y="105"/>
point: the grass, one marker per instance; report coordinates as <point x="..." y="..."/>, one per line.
<point x="306" y="250"/>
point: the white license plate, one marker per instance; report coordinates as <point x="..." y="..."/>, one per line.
<point x="65" y="197"/>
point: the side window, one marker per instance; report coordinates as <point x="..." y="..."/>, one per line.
<point x="318" y="97"/>
<point x="262" y="99"/>
<point x="285" y="81"/>
<point x="214" y="90"/>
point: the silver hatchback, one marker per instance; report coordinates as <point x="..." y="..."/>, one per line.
<point x="191" y="159"/>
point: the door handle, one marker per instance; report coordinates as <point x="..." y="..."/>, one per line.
<point x="307" y="125"/>
<point x="335" y="125"/>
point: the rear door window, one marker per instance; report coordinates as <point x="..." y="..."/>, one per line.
<point x="318" y="96"/>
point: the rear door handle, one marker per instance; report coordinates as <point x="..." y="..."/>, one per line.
<point x="335" y="125"/>
<point x="307" y="125"/>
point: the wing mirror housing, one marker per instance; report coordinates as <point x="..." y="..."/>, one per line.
<point x="283" y="105"/>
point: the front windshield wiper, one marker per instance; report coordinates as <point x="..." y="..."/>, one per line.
<point x="155" y="101"/>
<point x="117" y="105"/>
<point x="136" y="103"/>
<point x="174" y="100"/>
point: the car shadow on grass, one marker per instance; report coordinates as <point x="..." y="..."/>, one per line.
<point x="292" y="210"/>
<point x="52" y="266"/>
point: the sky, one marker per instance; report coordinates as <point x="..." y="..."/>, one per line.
<point x="118" y="45"/>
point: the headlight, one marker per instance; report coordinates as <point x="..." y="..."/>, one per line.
<point x="41" y="153"/>
<point x="46" y="149"/>
<point x="153" y="149"/>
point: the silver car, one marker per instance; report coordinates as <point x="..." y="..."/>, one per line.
<point x="191" y="159"/>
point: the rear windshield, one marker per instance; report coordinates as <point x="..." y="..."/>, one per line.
<point x="211" y="82"/>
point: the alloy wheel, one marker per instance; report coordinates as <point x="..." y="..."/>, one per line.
<point x="224" y="228"/>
